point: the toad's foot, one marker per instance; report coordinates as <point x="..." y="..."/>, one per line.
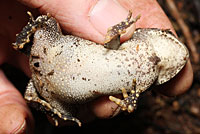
<point x="112" y="38"/>
<point x="32" y="98"/>
<point x="129" y="101"/>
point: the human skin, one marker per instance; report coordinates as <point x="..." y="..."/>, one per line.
<point x="14" y="113"/>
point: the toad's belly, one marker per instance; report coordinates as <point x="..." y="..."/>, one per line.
<point x="93" y="70"/>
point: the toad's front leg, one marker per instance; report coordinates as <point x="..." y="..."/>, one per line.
<point x="24" y="36"/>
<point x="112" y="38"/>
<point x="130" y="100"/>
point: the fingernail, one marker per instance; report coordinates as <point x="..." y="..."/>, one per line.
<point x="21" y="129"/>
<point x="116" y="111"/>
<point x="107" y="13"/>
<point x="104" y="108"/>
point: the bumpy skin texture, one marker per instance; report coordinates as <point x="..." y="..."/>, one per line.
<point x="68" y="70"/>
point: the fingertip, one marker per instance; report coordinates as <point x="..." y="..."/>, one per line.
<point x="14" y="113"/>
<point x="15" y="120"/>
<point x="104" y="108"/>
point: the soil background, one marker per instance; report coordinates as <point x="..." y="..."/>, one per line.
<point x="155" y="114"/>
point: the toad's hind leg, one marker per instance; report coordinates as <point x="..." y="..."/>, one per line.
<point x="112" y="38"/>
<point x="129" y="101"/>
<point x="32" y="98"/>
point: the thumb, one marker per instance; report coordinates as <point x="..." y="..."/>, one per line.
<point x="89" y="19"/>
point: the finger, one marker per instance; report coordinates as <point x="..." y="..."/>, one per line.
<point x="95" y="16"/>
<point x="104" y="108"/>
<point x="152" y="15"/>
<point x="14" y="114"/>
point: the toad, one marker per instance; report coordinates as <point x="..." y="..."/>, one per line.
<point x="68" y="71"/>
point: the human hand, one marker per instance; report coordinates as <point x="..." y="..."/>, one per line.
<point x="85" y="19"/>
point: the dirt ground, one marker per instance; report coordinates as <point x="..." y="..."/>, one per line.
<point x="156" y="114"/>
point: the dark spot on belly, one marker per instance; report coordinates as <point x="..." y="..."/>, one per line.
<point x="123" y="54"/>
<point x="96" y="92"/>
<point x="45" y="50"/>
<point x="51" y="72"/>
<point x="155" y="59"/>
<point x="129" y="72"/>
<point x="58" y="53"/>
<point x="118" y="65"/>
<point x="83" y="78"/>
<point x="118" y="73"/>
<point x="126" y="59"/>
<point x="76" y="43"/>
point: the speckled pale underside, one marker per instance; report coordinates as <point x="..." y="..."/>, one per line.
<point x="68" y="70"/>
<point x="75" y="69"/>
